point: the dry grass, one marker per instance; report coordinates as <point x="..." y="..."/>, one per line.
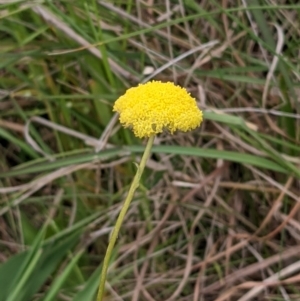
<point x="217" y="214"/>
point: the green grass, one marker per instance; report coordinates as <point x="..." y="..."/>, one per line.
<point x="193" y="223"/>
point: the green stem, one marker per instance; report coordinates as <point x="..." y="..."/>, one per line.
<point x="115" y="232"/>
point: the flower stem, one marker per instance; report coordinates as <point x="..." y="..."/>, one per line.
<point x="115" y="232"/>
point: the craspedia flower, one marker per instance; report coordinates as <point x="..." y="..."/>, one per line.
<point x="151" y="108"/>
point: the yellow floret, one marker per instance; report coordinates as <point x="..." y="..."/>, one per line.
<point x="155" y="106"/>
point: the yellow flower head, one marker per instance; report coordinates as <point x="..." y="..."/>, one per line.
<point x="152" y="107"/>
